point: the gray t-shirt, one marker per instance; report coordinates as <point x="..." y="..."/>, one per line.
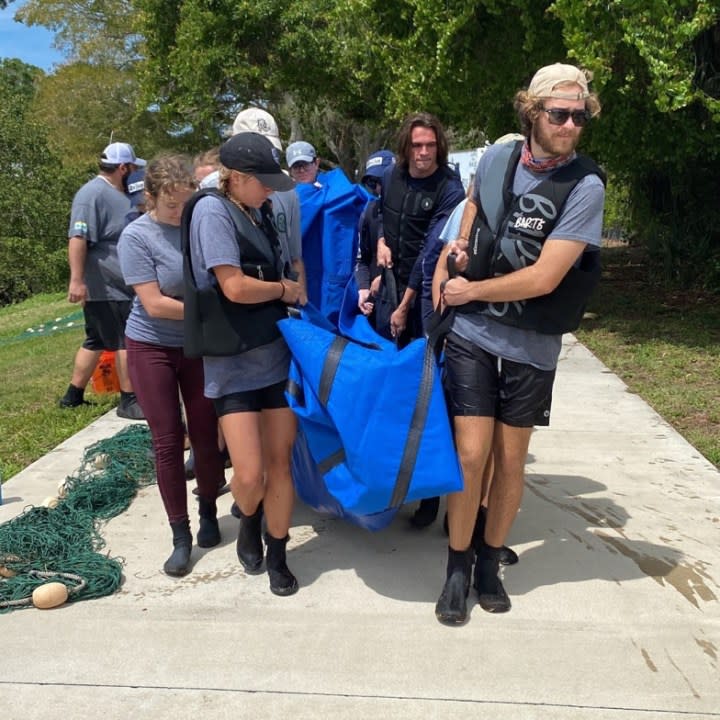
<point x="212" y="243"/>
<point x="581" y="219"/>
<point x="286" y="214"/>
<point x="98" y="216"/>
<point x="150" y="251"/>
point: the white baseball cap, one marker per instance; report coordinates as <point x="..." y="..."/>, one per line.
<point x="120" y="153"/>
<point x="258" y="121"/>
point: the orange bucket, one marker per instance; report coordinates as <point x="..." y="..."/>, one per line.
<point x="104" y="378"/>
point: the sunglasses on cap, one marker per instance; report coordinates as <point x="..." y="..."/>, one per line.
<point x="559" y="116"/>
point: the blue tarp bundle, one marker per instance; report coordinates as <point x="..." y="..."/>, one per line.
<point x="329" y="216"/>
<point x="374" y="431"/>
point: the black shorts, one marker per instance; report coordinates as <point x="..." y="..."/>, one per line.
<point x="271" y="397"/>
<point x="105" y="324"/>
<point x="480" y="384"/>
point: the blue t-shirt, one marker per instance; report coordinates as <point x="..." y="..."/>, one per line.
<point x="581" y="219"/>
<point x="212" y="243"/>
<point x="150" y="252"/>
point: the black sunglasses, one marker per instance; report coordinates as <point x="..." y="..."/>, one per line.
<point x="559" y="116"/>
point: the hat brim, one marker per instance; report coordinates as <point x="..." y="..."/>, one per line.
<point x="140" y="162"/>
<point x="302" y="158"/>
<point x="279" y="182"/>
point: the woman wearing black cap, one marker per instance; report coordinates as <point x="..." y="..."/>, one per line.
<point x="233" y="245"/>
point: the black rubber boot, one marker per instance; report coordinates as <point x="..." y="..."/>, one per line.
<point x="491" y="593"/>
<point x="507" y="555"/>
<point x="451" y="607"/>
<point x="426" y="513"/>
<point x="177" y="564"/>
<point x="282" y="581"/>
<point x="249" y="541"/>
<point x="208" y="534"/>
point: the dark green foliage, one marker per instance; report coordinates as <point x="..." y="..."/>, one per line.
<point x="34" y="202"/>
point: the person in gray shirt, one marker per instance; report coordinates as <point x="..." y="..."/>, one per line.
<point x="97" y="218"/>
<point x="510" y="314"/>
<point x="151" y="261"/>
<point x="226" y="228"/>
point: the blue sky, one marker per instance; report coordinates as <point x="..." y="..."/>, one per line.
<point x="30" y="44"/>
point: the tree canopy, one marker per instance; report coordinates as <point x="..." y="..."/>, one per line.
<point x="342" y="74"/>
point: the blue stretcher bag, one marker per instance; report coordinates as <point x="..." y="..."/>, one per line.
<point x="374" y="431"/>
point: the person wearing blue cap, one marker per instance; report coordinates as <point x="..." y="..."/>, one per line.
<point x="303" y="162"/>
<point x="367" y="275"/>
<point x="97" y="218"/>
<point x="136" y="193"/>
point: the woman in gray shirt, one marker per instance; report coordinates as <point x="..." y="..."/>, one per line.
<point x="234" y="247"/>
<point x="151" y="262"/>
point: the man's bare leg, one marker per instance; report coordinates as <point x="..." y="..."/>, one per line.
<point x="473" y="439"/>
<point x="510" y="446"/>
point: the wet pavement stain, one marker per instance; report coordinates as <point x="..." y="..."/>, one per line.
<point x="689" y="581"/>
<point x="648" y="661"/>
<point x="695" y="693"/>
<point x="707" y="647"/>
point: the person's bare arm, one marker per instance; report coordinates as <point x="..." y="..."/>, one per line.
<point x="541" y="278"/>
<point x="241" y="288"/>
<point x="77" y="254"/>
<point x="156" y="304"/>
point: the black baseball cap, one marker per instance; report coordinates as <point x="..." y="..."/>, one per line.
<point x="254" y="154"/>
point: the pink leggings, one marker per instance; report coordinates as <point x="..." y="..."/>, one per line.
<point x="156" y="373"/>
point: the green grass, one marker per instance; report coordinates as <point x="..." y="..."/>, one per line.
<point x="35" y="371"/>
<point x="663" y="342"/>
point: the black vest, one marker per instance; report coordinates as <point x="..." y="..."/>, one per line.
<point x="406" y="216"/>
<point x="508" y="234"/>
<point x="214" y="325"/>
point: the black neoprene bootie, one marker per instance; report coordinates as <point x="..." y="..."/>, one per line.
<point x="178" y="562"/>
<point x="451" y="607"/>
<point x="426" y="513"/>
<point x="208" y="534"/>
<point x="282" y="581"/>
<point x="507" y="556"/>
<point x="491" y="593"/>
<point x="249" y="541"/>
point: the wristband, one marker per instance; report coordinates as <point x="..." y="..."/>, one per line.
<point x="282" y="294"/>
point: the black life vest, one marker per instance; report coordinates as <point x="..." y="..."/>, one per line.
<point x="215" y="325"/>
<point x="406" y="216"/>
<point x="508" y="234"/>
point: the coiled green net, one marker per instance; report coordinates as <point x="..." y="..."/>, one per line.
<point x="63" y="543"/>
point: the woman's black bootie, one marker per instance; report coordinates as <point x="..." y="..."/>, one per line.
<point x="451" y="607"/>
<point x="208" y="534"/>
<point x="178" y="563"/>
<point x="249" y="541"/>
<point x="282" y="581"/>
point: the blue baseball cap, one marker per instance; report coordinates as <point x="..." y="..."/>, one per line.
<point x="136" y="187"/>
<point x="377" y="163"/>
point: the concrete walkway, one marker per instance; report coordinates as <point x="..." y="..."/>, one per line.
<point x="615" y="599"/>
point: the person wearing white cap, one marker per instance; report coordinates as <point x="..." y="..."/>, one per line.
<point x="97" y="218"/>
<point x="527" y="257"/>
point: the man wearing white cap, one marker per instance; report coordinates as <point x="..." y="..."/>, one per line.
<point x="97" y="218"/>
<point x="528" y="258"/>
